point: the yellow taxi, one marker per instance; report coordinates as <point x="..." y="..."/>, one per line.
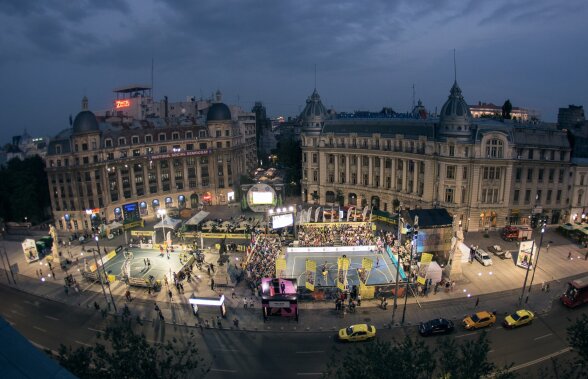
<point x="479" y="320"/>
<point x="354" y="333"/>
<point x="519" y="318"/>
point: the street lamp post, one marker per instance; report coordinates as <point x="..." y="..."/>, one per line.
<point x="529" y="262"/>
<point x="536" y="260"/>
<point x="398" y="245"/>
<point x="104" y="271"/>
<point x="415" y="231"/>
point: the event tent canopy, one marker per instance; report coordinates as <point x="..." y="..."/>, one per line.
<point x="197" y="218"/>
<point x="115" y="225"/>
<point x="168" y="223"/>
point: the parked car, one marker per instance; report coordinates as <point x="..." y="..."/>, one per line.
<point x="497" y="250"/>
<point x="436" y="326"/>
<point x="519" y="318"/>
<point x="479" y="320"/>
<point x="483" y="257"/>
<point x="354" y="333"/>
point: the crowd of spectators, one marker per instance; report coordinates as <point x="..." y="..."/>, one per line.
<point x="330" y="235"/>
<point x="261" y="257"/>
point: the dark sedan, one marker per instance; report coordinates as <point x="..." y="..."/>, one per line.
<point x="436" y="326"/>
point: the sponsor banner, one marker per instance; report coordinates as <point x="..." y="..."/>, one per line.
<point x="342" y="267"/>
<point x="134" y="224"/>
<point x="316" y="214"/>
<point x="366" y="268"/>
<point x="279" y="304"/>
<point x="426" y="259"/>
<point x="367" y="292"/>
<point x="142" y="233"/>
<point x="280" y="267"/>
<point x="310" y="274"/>
<point x="527" y="250"/>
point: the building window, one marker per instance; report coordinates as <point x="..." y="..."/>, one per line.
<point x="527" y="196"/>
<point x="135" y="140"/>
<point x="331" y="159"/>
<point x="189" y="135"/>
<point x="353" y="178"/>
<point x="342" y="178"/>
<point x="108" y="142"/>
<point x="540" y="175"/>
<point x="57" y="149"/>
<point x="551" y="175"/>
<point x="163" y="149"/>
<point x="494" y="148"/>
<point x="203" y="146"/>
<point x="548" y="200"/>
<point x="449" y="195"/>
<point x="451" y="150"/>
<point x="465" y="173"/>
<point x="518" y="174"/>
<point x="304" y="157"/>
<point x="580" y="195"/>
<point x="175" y="136"/>
<point x="136" y="153"/>
<point x="315" y="158"/>
<point x="450" y="172"/>
<point x="148" y="138"/>
<point x="515" y="198"/>
<point x="122" y="141"/>
<point x="558" y="196"/>
<point x="161" y="137"/>
<point x="530" y="154"/>
<point x="218" y="133"/>
<point x="315" y="176"/>
<point x="529" y="175"/>
<point x="561" y="175"/>
<point x="202" y="134"/>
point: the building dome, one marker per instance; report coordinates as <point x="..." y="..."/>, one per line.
<point x="218" y="112"/>
<point x="314" y="113"/>
<point x="455" y="118"/>
<point x="85" y="122"/>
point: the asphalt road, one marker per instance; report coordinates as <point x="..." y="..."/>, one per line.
<point x="239" y="354"/>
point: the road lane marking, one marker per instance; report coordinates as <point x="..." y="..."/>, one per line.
<point x="52" y="318"/>
<point x="547" y="335"/>
<point x="39" y="346"/>
<point x="465" y="335"/>
<point x="96" y="330"/>
<point x="310" y="352"/>
<point x="222" y="370"/>
<point x="490" y="351"/>
<point x="17" y="313"/>
<point x="539" y="360"/>
<point x="41" y="329"/>
<point x="83" y="343"/>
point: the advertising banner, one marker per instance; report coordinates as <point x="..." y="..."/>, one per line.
<point x="367" y="292"/>
<point x="280" y="267"/>
<point x="310" y="274"/>
<point x="426" y="259"/>
<point x="342" y="267"/>
<point x="316" y="214"/>
<point x="526" y="253"/>
<point x="366" y="267"/>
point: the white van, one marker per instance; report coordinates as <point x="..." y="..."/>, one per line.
<point x="483" y="257"/>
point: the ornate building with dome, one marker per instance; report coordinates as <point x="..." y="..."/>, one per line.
<point x="486" y="173"/>
<point x="100" y="170"/>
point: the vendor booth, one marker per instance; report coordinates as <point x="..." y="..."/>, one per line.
<point x="279" y="298"/>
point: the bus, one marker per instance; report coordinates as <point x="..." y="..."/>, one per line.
<point x="576" y="293"/>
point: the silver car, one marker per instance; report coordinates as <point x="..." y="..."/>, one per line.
<point x="483" y="257"/>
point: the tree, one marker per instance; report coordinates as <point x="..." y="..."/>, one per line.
<point x="126" y="354"/>
<point x="506" y="109"/>
<point x="468" y="360"/>
<point x="384" y="359"/>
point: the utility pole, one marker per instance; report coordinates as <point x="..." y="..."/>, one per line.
<point x="414" y="235"/>
<point x="529" y="263"/>
<point x="536" y="260"/>
<point x="103" y="270"/>
<point x="398" y="246"/>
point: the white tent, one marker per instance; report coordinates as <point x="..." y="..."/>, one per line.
<point x="197" y="218"/>
<point x="115" y="225"/>
<point x="168" y="222"/>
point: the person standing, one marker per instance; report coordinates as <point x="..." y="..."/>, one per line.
<point x="212" y="284"/>
<point x="244" y="302"/>
<point x="169" y="293"/>
<point x="477" y="301"/>
<point x="359" y="300"/>
<point x="570" y="256"/>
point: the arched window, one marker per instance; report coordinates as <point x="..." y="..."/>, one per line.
<point x="494" y="149"/>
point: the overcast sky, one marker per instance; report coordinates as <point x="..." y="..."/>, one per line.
<point x="368" y="54"/>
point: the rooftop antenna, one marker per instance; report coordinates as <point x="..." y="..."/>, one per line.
<point x="315" y="76"/>
<point x="454" y="67"/>
<point x="413" y="94"/>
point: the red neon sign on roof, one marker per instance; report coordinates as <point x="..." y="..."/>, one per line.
<point x="122" y="103"/>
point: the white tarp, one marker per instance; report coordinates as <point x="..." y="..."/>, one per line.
<point x="168" y="223"/>
<point x="197" y="218"/>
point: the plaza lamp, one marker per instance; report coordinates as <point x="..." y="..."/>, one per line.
<point x="100" y="276"/>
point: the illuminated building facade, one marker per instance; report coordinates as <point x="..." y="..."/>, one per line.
<point x="485" y="172"/>
<point x="101" y="171"/>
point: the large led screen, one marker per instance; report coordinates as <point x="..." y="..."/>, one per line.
<point x="283" y="220"/>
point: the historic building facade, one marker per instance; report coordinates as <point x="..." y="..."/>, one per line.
<point x="486" y="173"/>
<point x="102" y="172"/>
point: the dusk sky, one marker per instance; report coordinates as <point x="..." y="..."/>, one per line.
<point x="368" y="54"/>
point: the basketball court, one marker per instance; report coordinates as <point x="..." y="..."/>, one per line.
<point x="382" y="272"/>
<point x="160" y="265"/>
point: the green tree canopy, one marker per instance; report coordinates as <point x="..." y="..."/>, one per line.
<point x="506" y="110"/>
<point x="126" y="354"/>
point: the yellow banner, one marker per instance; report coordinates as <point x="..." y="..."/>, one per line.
<point x="142" y="233"/>
<point x="367" y="264"/>
<point x="133" y="224"/>
<point x="367" y="292"/>
<point x="426" y="259"/>
<point x="310" y="274"/>
<point x="342" y="267"/>
<point x="280" y="267"/>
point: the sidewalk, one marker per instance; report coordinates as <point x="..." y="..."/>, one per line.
<point x="498" y="288"/>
